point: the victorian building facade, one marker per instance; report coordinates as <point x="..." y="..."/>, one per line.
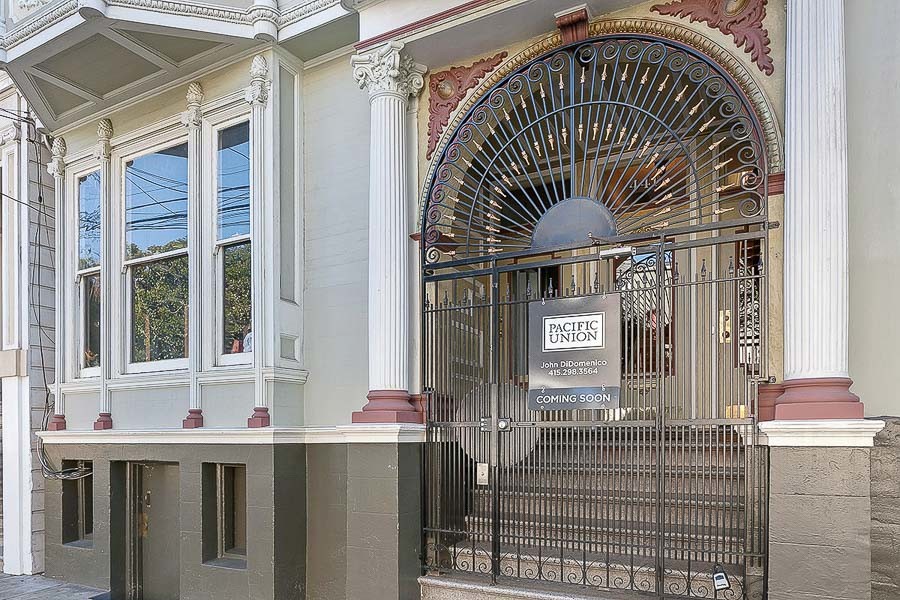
<point x="275" y="276"/>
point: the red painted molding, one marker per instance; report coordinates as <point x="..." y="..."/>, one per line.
<point x="743" y="23"/>
<point x="447" y="89"/>
<point x="768" y="394"/>
<point x="421" y="23"/>
<point x="104" y="421"/>
<point x="818" y="398"/>
<point x="57" y="423"/>
<point x="260" y="417"/>
<point x="193" y="420"/>
<point x="776" y="183"/>
<point x="388" y="406"/>
<point x="573" y="26"/>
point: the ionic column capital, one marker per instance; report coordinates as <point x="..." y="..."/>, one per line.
<point x="387" y="70"/>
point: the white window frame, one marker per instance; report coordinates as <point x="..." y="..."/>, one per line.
<point x="213" y="264"/>
<point x="125" y="300"/>
<point x="75" y="278"/>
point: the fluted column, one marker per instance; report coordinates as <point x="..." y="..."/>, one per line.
<point x="192" y="119"/>
<point x="57" y="168"/>
<point x="816" y="278"/>
<point x="257" y="95"/>
<point x="391" y="77"/>
<point x="103" y="154"/>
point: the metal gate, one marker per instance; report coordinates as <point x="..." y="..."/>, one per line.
<point x="629" y="167"/>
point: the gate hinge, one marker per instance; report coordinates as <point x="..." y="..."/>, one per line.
<point x="773" y="225"/>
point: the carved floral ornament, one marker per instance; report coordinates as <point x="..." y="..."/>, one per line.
<point x="388" y="70"/>
<point x="741" y="19"/>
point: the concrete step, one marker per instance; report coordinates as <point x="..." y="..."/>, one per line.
<point x="461" y="587"/>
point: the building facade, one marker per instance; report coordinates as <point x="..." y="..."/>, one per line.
<point x="498" y="298"/>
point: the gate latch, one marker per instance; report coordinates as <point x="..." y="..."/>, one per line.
<point x="503" y="424"/>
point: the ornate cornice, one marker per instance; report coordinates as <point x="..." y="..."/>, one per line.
<point x="447" y="89"/>
<point x="258" y="90"/>
<point x="254" y="13"/>
<point x="652" y="27"/>
<point x="104" y="134"/>
<point x="192" y="117"/>
<point x="57" y="164"/>
<point x="744" y="24"/>
<point x="387" y="70"/>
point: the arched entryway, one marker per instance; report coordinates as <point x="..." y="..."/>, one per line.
<point x="622" y="176"/>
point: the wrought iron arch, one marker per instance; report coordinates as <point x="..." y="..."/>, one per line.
<point x="616" y="136"/>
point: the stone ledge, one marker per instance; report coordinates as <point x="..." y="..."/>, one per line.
<point x="463" y="587"/>
<point x="848" y="433"/>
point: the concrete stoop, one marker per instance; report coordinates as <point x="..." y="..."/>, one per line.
<point x="461" y="587"/>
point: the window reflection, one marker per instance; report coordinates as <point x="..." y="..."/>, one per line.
<point x="233" y="178"/>
<point x="159" y="310"/>
<point x="90" y="293"/>
<point x="236" y="294"/>
<point x="156" y="202"/>
<point x="89" y="221"/>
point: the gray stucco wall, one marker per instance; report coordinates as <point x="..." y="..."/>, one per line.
<point x="276" y="520"/>
<point x="886" y="512"/>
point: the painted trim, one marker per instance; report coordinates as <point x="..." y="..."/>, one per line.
<point x="366" y="433"/>
<point x="852" y="433"/>
<point x="421" y="23"/>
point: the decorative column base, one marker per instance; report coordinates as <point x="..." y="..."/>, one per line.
<point x="818" y="398"/>
<point x="768" y="396"/>
<point x="194" y="419"/>
<point x="57" y="423"/>
<point x="260" y="417"/>
<point x="104" y="421"/>
<point x="388" y="406"/>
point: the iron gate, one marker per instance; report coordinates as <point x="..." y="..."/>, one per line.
<point x="624" y="165"/>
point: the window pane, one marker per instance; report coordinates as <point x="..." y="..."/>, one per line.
<point x="89" y="221"/>
<point x="233" y="191"/>
<point x="159" y="310"/>
<point x="236" y="295"/>
<point x="156" y="202"/>
<point x="90" y="298"/>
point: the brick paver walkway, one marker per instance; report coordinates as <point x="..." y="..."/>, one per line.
<point x="33" y="587"/>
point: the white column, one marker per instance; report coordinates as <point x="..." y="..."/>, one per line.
<point x="391" y="77"/>
<point x="107" y="214"/>
<point x="815" y="223"/>
<point x="192" y="119"/>
<point x="257" y="95"/>
<point x="57" y="168"/>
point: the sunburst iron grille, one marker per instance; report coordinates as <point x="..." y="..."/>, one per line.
<point x="647" y="129"/>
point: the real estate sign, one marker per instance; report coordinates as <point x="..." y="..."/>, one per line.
<point x="574" y="352"/>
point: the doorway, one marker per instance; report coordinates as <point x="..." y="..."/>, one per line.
<point x="154" y="532"/>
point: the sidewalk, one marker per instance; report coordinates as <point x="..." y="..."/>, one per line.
<point x="35" y="587"/>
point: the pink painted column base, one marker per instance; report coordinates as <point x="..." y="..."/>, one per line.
<point x="260" y="417"/>
<point x="57" y="423"/>
<point x="104" y="421"/>
<point x="818" y="398"/>
<point x="389" y="406"/>
<point x="194" y="419"/>
<point x="768" y="395"/>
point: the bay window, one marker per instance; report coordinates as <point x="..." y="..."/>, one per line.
<point x="156" y="256"/>
<point x="87" y="274"/>
<point x="232" y="242"/>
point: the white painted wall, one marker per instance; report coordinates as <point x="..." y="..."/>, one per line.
<point x="336" y="146"/>
<point x="873" y="133"/>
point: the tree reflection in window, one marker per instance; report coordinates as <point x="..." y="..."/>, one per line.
<point x="156" y="205"/>
<point x="88" y="271"/>
<point x="233" y="237"/>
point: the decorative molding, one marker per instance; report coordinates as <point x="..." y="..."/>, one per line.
<point x="259" y="418"/>
<point x="104" y="135"/>
<point x="192" y="117"/>
<point x="573" y="24"/>
<point x="11" y="133"/>
<point x="57" y="164"/>
<point x="744" y="23"/>
<point x="368" y="433"/>
<point x="194" y="420"/>
<point x="776" y="183"/>
<point x="104" y="421"/>
<point x="763" y="110"/>
<point x="31" y="27"/>
<point x="388" y="70"/>
<point x="304" y="9"/>
<point x="409" y="28"/>
<point x="853" y="433"/>
<point x="448" y="88"/>
<point x="258" y="90"/>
